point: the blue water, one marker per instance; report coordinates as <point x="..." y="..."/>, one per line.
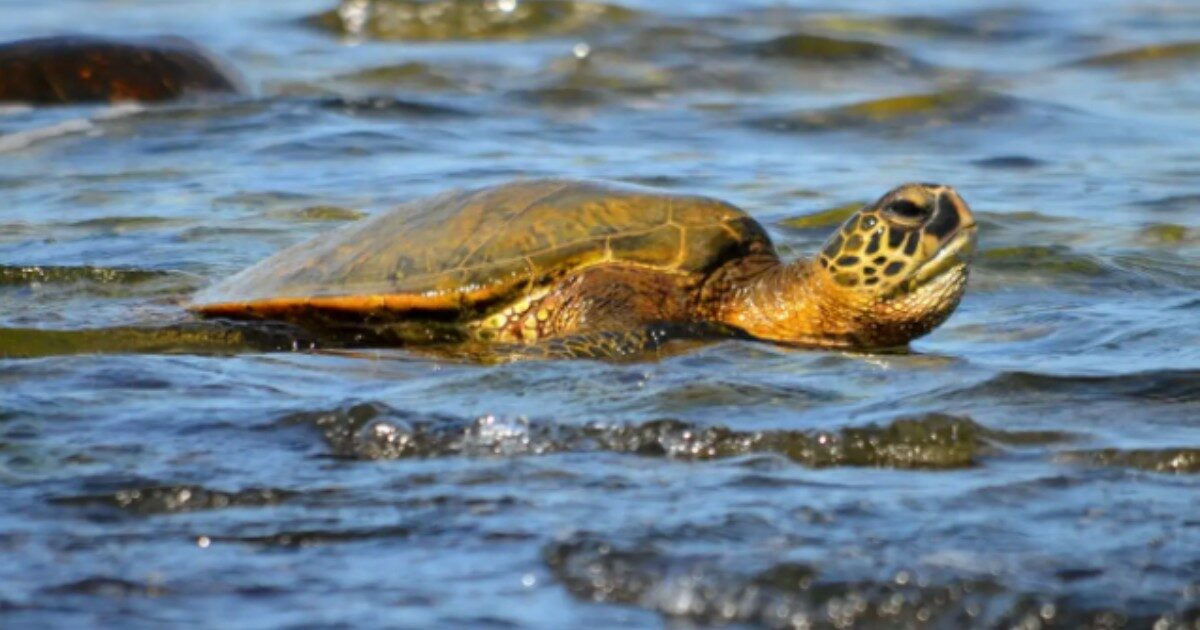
<point x="1033" y="461"/>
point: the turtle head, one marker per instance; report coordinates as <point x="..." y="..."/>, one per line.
<point x="897" y="268"/>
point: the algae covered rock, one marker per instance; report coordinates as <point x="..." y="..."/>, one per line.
<point x="447" y="20"/>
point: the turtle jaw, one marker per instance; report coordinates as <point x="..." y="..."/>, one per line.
<point x="955" y="254"/>
<point x="927" y="297"/>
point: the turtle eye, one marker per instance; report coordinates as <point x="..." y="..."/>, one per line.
<point x="906" y="211"/>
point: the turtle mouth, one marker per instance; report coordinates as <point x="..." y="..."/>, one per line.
<point x="955" y="254"/>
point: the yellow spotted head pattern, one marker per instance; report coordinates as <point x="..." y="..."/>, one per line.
<point x="911" y="236"/>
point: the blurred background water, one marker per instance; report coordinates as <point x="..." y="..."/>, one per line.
<point x="1033" y="462"/>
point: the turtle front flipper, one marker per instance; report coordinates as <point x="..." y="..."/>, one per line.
<point x="653" y="341"/>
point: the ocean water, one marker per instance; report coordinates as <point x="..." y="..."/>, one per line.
<point x="1034" y="462"/>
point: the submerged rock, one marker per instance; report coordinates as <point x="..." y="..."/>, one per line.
<point x="712" y="589"/>
<point x="974" y="27"/>
<point x="1163" y="460"/>
<point x="806" y="48"/>
<point x="1157" y="54"/>
<point x="822" y="218"/>
<point x="908" y="111"/>
<point x="412" y="75"/>
<point x="444" y="20"/>
<point x="932" y="441"/>
<point x="1042" y="260"/>
<point x="181" y="498"/>
<point x="184" y="337"/>
<point x="1168" y="235"/>
<point x="18" y="275"/>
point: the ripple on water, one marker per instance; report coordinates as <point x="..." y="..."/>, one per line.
<point x="1158" y="386"/>
<point x="347" y="144"/>
<point x="108" y="586"/>
<point x="1163" y="268"/>
<point x="1184" y="203"/>
<point x="391" y="107"/>
<point x="1067" y="268"/>
<point x="456" y="516"/>
<point x="1009" y="162"/>
<point x="609" y="76"/>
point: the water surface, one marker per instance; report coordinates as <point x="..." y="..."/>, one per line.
<point x="1034" y="461"/>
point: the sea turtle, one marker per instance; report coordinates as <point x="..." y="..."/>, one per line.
<point x="580" y="268"/>
<point x="79" y="69"/>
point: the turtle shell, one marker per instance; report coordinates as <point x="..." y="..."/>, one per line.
<point x="461" y="252"/>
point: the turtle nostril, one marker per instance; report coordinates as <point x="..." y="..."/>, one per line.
<point x="907" y="211"/>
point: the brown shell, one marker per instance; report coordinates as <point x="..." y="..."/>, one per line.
<point x="464" y="250"/>
<point x="78" y="69"/>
